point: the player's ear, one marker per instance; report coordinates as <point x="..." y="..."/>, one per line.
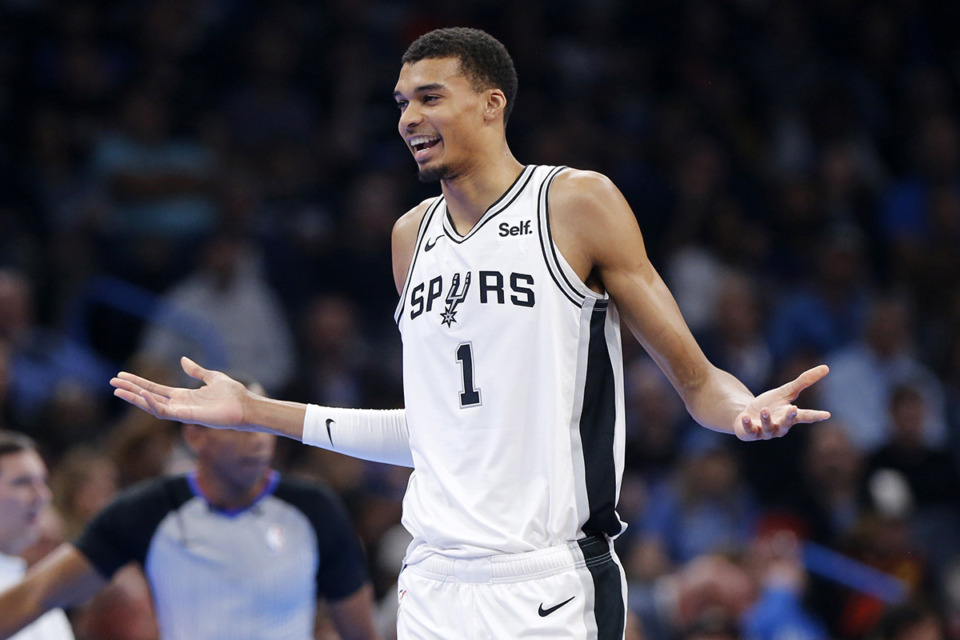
<point x="496" y="103"/>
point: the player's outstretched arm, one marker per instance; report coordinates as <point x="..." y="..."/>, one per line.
<point x="62" y="579"/>
<point x="597" y="232"/>
<point x="220" y="402"/>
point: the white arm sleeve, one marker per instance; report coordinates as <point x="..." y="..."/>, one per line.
<point x="368" y="434"/>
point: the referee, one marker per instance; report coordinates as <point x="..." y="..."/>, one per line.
<point x="231" y="550"/>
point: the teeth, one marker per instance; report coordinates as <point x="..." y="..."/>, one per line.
<point x="417" y="141"/>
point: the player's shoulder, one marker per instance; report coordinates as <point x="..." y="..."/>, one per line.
<point x="409" y="222"/>
<point x="586" y="200"/>
<point x="579" y="186"/>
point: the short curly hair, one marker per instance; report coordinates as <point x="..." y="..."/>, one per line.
<point x="484" y="61"/>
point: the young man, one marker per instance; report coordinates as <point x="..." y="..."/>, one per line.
<point x="24" y="495"/>
<point x="512" y="285"/>
<point x="231" y="550"/>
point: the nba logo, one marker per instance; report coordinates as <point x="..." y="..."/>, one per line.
<point x="275" y="539"/>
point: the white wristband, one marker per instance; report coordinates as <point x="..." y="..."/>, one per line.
<point x="368" y="434"/>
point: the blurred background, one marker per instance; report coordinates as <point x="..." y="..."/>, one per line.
<point x="219" y="178"/>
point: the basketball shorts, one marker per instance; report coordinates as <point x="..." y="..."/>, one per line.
<point x="574" y="591"/>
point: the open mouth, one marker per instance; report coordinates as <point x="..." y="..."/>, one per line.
<point x="422" y="143"/>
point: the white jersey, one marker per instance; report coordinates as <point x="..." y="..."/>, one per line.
<point x="52" y="625"/>
<point x="513" y="385"/>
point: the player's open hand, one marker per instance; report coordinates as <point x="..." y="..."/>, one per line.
<point x="772" y="414"/>
<point x="218" y="403"/>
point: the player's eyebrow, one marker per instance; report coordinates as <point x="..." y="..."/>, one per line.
<point x="433" y="86"/>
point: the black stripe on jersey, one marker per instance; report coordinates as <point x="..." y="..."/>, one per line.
<point x="547" y="247"/>
<point x="597" y="426"/>
<point x="424" y="223"/>
<point x="609" y="609"/>
<point x="504" y="201"/>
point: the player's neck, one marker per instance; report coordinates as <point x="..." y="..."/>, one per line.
<point x="469" y="195"/>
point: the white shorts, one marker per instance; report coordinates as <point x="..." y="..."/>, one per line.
<point x="575" y="590"/>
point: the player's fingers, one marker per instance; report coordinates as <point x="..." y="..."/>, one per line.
<point x="131" y="397"/>
<point x="806" y="379"/>
<point x="748" y="430"/>
<point x="768" y="428"/>
<point x="812" y="415"/>
<point x="162" y="408"/>
<point x="133" y="382"/>
<point x="194" y="370"/>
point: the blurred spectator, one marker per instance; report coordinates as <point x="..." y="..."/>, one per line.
<point x="709" y="592"/>
<point x="157" y="189"/>
<point x="829" y="499"/>
<point x="930" y="475"/>
<point x="6" y="406"/>
<point x="335" y="361"/>
<point x="83" y="482"/>
<point x="864" y="374"/>
<point x="882" y="540"/>
<point x="24" y="495"/>
<point x="226" y="310"/>
<point x="826" y="310"/>
<point x="848" y="178"/>
<point x="657" y="423"/>
<point x="734" y="340"/>
<point x="758" y="595"/>
<point x="706" y="508"/>
<point x="42" y="361"/>
<point x="909" y="621"/>
<point x="269" y="106"/>
<point x="775" y="561"/>
<point x="911" y="210"/>
<point x="359" y="265"/>
<point x="140" y="447"/>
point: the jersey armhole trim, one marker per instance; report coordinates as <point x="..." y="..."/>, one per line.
<point x="560" y="271"/>
<point x="421" y="232"/>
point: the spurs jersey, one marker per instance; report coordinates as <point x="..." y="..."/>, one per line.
<point x="513" y="385"/>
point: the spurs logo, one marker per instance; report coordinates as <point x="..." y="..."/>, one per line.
<point x="455" y="296"/>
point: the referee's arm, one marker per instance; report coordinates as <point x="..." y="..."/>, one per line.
<point x="352" y="616"/>
<point x="63" y="578"/>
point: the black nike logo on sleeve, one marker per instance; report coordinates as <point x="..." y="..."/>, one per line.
<point x="545" y="612"/>
<point x="330" y="421"/>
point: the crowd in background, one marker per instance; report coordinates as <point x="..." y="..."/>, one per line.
<point x="219" y="178"/>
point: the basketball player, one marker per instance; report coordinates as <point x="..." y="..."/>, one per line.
<point x="512" y="286"/>
<point x="231" y="550"/>
<point x="24" y="495"/>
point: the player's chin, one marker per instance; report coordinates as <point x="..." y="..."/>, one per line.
<point x="436" y="171"/>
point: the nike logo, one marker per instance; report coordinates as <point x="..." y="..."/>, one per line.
<point x="330" y="421"/>
<point x="430" y="245"/>
<point x="545" y="612"/>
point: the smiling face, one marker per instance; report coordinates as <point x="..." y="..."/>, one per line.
<point x="23" y="496"/>
<point x="443" y="119"/>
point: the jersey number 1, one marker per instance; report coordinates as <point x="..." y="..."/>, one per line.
<point x="470" y="396"/>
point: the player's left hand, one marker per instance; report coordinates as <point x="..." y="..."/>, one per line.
<point x="772" y="413"/>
